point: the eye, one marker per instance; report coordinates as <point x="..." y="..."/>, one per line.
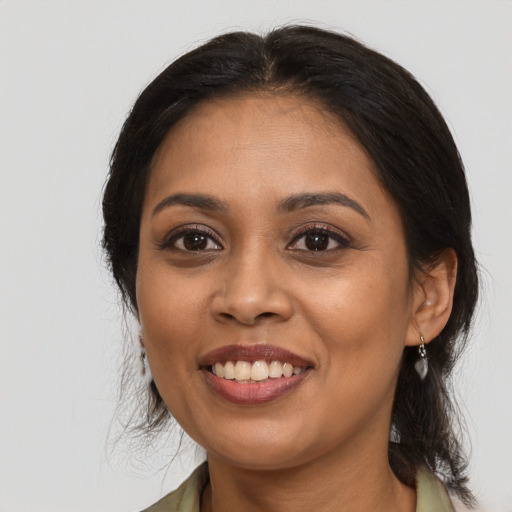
<point x="195" y="242"/>
<point x="319" y="239"/>
<point x="192" y="240"/>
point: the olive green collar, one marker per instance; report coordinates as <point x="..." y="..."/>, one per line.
<point x="431" y="495"/>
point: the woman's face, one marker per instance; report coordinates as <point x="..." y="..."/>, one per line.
<point x="266" y="239"/>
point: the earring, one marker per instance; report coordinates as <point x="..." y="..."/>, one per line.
<point x="145" y="371"/>
<point x="421" y="365"/>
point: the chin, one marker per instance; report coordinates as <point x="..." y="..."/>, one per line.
<point x="258" y="449"/>
<point x="258" y="460"/>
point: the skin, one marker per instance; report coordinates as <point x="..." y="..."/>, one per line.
<point x="349" y="309"/>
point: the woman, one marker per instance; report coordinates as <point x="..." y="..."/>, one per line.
<point x="288" y="218"/>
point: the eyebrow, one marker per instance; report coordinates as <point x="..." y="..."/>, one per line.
<point x="201" y="201"/>
<point x="300" y="201"/>
<point x="288" y="205"/>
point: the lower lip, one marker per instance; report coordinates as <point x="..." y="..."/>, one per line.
<point x="253" y="393"/>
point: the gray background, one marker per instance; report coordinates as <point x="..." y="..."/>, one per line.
<point x="69" y="72"/>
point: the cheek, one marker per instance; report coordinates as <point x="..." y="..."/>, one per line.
<point x="170" y="314"/>
<point x="362" y="324"/>
<point x="362" y="315"/>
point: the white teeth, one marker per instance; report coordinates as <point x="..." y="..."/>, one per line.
<point x="257" y="371"/>
<point x="287" y="370"/>
<point x="219" y="370"/>
<point x="242" y="370"/>
<point x="229" y="370"/>
<point x="275" y="370"/>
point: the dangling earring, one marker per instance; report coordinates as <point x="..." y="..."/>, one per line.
<point x="145" y="369"/>
<point x="421" y="365"/>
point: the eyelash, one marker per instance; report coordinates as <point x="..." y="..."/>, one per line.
<point x="342" y="239"/>
<point x="171" y="239"/>
<point x="169" y="242"/>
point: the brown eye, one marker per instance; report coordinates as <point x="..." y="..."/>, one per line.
<point x="191" y="240"/>
<point x="316" y="241"/>
<point x="195" y="241"/>
<point x="319" y="239"/>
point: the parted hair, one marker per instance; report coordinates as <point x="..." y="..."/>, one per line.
<point x="415" y="159"/>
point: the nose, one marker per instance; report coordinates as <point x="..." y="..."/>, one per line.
<point x="251" y="290"/>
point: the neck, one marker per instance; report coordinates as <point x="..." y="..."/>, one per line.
<point x="360" y="481"/>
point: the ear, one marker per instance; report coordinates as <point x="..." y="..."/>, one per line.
<point x="432" y="298"/>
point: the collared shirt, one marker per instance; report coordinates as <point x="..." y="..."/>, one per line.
<point x="431" y="494"/>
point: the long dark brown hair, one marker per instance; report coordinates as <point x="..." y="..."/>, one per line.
<point x="415" y="159"/>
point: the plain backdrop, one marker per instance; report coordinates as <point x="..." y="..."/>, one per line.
<point x="69" y="72"/>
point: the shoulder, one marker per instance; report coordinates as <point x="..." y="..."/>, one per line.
<point x="432" y="495"/>
<point x="186" y="498"/>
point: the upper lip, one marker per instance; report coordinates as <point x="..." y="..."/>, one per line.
<point x="252" y="352"/>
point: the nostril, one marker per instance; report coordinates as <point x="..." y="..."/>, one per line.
<point x="265" y="315"/>
<point x="228" y="316"/>
<point x="240" y="317"/>
<point x="249" y="307"/>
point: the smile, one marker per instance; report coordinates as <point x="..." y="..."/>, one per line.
<point x="257" y="371"/>
<point x="253" y="374"/>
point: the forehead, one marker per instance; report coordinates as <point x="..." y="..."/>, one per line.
<point x="293" y="136"/>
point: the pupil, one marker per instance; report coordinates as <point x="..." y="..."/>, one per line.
<point x="195" y="242"/>
<point x="317" y="241"/>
